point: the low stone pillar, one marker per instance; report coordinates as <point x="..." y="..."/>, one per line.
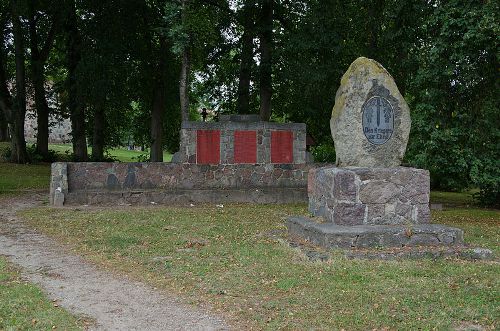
<point x="58" y="183"/>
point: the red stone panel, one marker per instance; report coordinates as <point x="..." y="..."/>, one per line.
<point x="208" y="146"/>
<point x="281" y="147"/>
<point x="245" y="147"/>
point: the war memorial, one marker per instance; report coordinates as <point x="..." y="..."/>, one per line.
<point x="366" y="200"/>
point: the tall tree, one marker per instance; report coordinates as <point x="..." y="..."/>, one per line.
<point x="266" y="46"/>
<point x="75" y="104"/>
<point x="159" y="103"/>
<point x="19" y="154"/>
<point x="39" y="54"/>
<point x="246" y="58"/>
<point x="186" y="64"/>
<point x="6" y="102"/>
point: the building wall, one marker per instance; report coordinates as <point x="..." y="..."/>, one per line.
<point x="59" y="129"/>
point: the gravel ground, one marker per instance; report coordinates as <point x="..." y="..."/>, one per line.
<point x="114" y="303"/>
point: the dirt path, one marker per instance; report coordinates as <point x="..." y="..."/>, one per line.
<point x="78" y="286"/>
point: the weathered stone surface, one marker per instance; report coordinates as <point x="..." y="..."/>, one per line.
<point x="58" y="199"/>
<point x="368" y="93"/>
<point x="423" y="213"/>
<point x="228" y="125"/>
<point x="348" y="214"/>
<point x="419" y="252"/>
<point x="147" y="197"/>
<point x="378" y="191"/>
<point x="103" y="183"/>
<point x="330" y="235"/>
<point x="58" y="181"/>
<point x="344" y="187"/>
<point x="353" y="196"/>
<point x="477" y="254"/>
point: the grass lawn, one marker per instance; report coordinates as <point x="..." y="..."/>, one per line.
<point x="18" y="178"/>
<point x="23" y="306"/>
<point x="121" y="154"/>
<point x="236" y="259"/>
<point x="455" y="199"/>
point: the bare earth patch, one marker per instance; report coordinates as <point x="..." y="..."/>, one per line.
<point x="115" y="303"/>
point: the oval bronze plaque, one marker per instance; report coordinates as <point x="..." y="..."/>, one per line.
<point x="378" y="120"/>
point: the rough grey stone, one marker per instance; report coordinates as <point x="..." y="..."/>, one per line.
<point x="378" y="192"/>
<point x="417" y="252"/>
<point x="58" y="179"/>
<point x="425" y="240"/>
<point x="176" y="158"/>
<point x="379" y="189"/>
<point x="130" y="179"/>
<point x="348" y="214"/>
<point x="403" y="210"/>
<point x="423" y="213"/>
<point x="344" y="187"/>
<point x="239" y="118"/>
<point x="112" y="182"/>
<point x="331" y="235"/>
<point x="366" y="79"/>
<point x="104" y="183"/>
<point x="477" y="254"/>
<point x="58" y="199"/>
<point x="375" y="214"/>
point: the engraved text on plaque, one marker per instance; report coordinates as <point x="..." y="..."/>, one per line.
<point x="378" y="120"/>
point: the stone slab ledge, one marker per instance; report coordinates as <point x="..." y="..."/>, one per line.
<point x="274" y="195"/>
<point x="329" y="235"/>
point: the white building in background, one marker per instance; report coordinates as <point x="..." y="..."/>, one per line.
<point x="59" y="128"/>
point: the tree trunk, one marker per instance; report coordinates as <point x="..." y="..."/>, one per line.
<point x="243" y="101"/>
<point x="156" y="154"/>
<point x="184" y="84"/>
<point x="5" y="101"/>
<point x="4" y="131"/>
<point x="266" y="36"/>
<point x="75" y="104"/>
<point x="38" y="59"/>
<point x="159" y="106"/>
<point x="98" y="137"/>
<point x="19" y="154"/>
<point x="185" y="71"/>
<point x="38" y="80"/>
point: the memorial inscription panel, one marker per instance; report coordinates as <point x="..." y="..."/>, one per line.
<point x="378" y="120"/>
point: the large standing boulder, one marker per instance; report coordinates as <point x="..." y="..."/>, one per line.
<point x="370" y="121"/>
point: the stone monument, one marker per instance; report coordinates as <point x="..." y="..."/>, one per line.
<point x="368" y="199"/>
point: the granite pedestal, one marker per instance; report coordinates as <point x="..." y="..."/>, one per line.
<point x="371" y="207"/>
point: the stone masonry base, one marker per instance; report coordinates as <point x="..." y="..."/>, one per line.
<point x="371" y="208"/>
<point x="164" y="183"/>
<point x="371" y="196"/>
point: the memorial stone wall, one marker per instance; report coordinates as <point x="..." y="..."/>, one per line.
<point x="242" y="139"/>
<point x="239" y="159"/>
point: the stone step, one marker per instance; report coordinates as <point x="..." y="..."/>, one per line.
<point x="264" y="195"/>
<point x="330" y="235"/>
